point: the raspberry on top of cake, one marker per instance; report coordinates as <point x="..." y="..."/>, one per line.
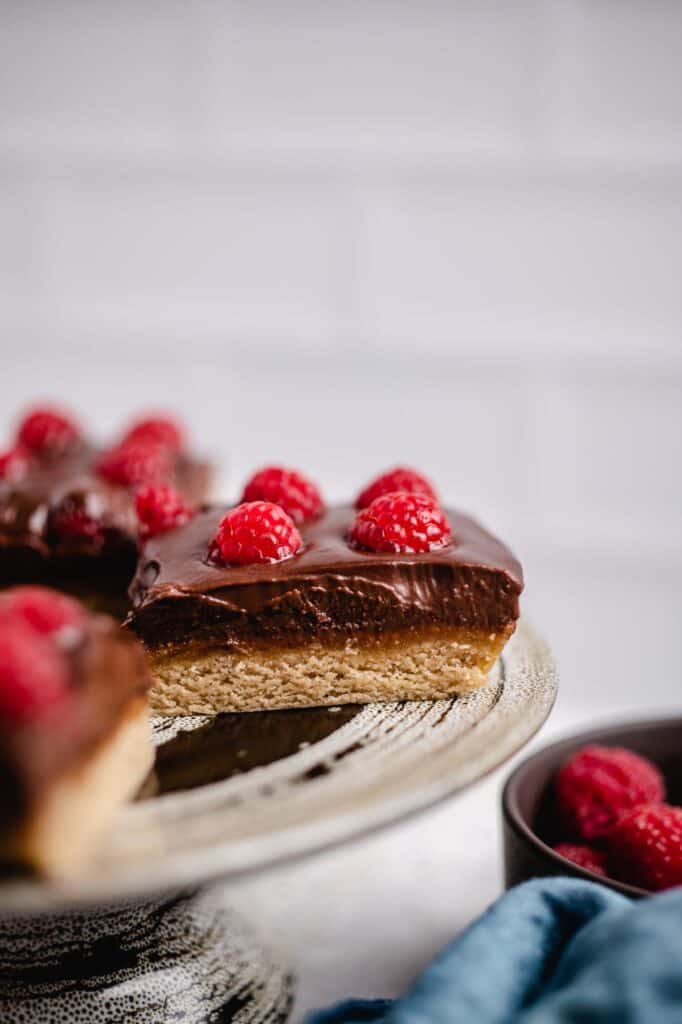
<point x="68" y="508"/>
<point x="290" y="603"/>
<point x="74" y="727"/>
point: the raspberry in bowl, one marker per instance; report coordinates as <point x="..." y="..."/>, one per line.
<point x="624" y="781"/>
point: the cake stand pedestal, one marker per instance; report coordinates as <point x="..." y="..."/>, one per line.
<point x="180" y="958"/>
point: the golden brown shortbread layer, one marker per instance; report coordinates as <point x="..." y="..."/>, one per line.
<point x="431" y="665"/>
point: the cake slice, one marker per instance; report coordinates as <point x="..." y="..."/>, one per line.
<point x="75" y="738"/>
<point x="244" y="609"/>
<point x="68" y="509"/>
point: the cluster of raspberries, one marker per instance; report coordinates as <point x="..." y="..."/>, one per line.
<point x="398" y="512"/>
<point x="142" y="460"/>
<point x="611" y="804"/>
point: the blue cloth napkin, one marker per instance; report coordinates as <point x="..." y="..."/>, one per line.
<point x="551" y="950"/>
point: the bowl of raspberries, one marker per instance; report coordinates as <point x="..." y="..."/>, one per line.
<point x="604" y="805"/>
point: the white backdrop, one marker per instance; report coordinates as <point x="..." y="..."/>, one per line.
<point x="342" y="235"/>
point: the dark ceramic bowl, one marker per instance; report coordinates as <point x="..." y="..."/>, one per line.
<point x="530" y="822"/>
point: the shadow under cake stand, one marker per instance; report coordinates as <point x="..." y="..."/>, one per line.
<point x="145" y="934"/>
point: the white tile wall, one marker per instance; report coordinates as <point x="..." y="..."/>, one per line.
<point x="191" y="254"/>
<point x="614" y="445"/>
<point x="343" y="235"/>
<point x="378" y="77"/>
<point x="21" y="234"/>
<point x="618" y="79"/>
<point x="75" y="75"/>
<point x="526" y="263"/>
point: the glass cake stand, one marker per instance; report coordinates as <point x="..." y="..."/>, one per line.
<point x="142" y="935"/>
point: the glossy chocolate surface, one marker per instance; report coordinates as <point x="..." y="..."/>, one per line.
<point x="328" y="591"/>
<point x="30" y="548"/>
<point x="108" y="672"/>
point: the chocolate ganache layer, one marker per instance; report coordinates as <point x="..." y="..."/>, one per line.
<point x="31" y="548"/>
<point x="328" y="592"/>
<point x="109" y="678"/>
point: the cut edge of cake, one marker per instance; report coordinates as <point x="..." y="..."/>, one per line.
<point x="82" y="802"/>
<point x="415" y="668"/>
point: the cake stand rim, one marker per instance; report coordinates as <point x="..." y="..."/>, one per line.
<point x="204" y="868"/>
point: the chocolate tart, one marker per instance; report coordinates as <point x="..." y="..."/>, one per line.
<point x="96" y="567"/>
<point x="331" y="625"/>
<point x="64" y="775"/>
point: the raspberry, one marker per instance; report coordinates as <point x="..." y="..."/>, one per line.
<point x="584" y="856"/>
<point x="33" y="673"/>
<point x="645" y="847"/>
<point x="298" y="496"/>
<point x="134" y="463"/>
<point x="47" y="430"/>
<point x="76" y="524"/>
<point x="160" y="508"/>
<point x="45" y="611"/>
<point x="158" y="430"/>
<point x="399" y="479"/>
<point x="257" y="531"/>
<point x="599" y="784"/>
<point x="71" y="520"/>
<point x="13" y="464"/>
<point x="400" y="522"/>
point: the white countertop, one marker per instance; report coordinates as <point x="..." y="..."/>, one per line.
<point x="365" y="919"/>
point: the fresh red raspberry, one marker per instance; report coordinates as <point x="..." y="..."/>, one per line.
<point x="597" y="785"/>
<point x="400" y="522"/>
<point x="257" y="531"/>
<point x="159" y="508"/>
<point x="75" y="524"/>
<point x="71" y="519"/>
<point x="33" y="673"/>
<point x="134" y="463"/>
<point x="160" y="430"/>
<point x="399" y="479"/>
<point x="14" y="464"/>
<point x="584" y="856"/>
<point x="47" y="430"/>
<point x="43" y="610"/>
<point x="645" y="847"/>
<point x="298" y="496"/>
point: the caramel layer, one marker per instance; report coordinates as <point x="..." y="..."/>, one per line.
<point x="423" y="665"/>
